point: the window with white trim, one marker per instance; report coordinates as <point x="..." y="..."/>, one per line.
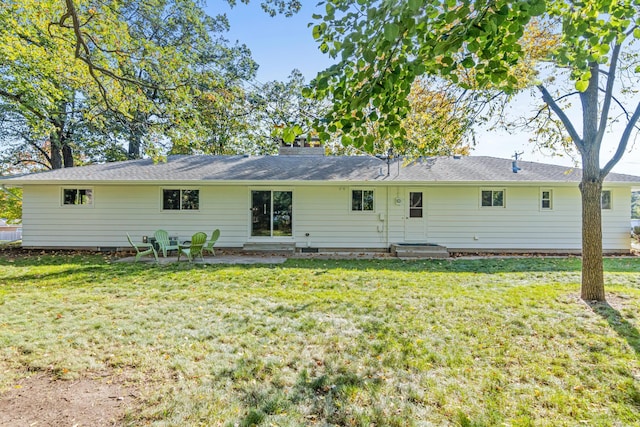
<point x="546" y="199"/>
<point x="605" y="200"/>
<point x="174" y="199"/>
<point x="362" y="200"/>
<point x="77" y="196"/>
<point x="492" y="198"/>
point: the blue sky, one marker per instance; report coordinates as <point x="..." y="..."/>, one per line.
<point x="281" y="44"/>
<point x="277" y="44"/>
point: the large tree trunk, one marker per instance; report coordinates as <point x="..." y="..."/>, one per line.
<point x="591" y="189"/>
<point x="56" y="154"/>
<point x="134" y="147"/>
<point x="61" y="152"/>
<point x="61" y="155"/>
<point x="592" y="271"/>
<point x="136" y="133"/>
<point x="56" y="144"/>
<point x="67" y="155"/>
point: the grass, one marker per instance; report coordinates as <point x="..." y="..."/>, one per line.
<point x="311" y="342"/>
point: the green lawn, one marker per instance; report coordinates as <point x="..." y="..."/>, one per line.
<point x="311" y="342"/>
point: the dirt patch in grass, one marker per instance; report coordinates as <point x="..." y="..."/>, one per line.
<point x="42" y="401"/>
<point x="15" y="252"/>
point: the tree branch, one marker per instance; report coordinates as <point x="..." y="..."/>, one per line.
<point x="546" y="97"/>
<point x="556" y="100"/>
<point x="31" y="161"/>
<point x="83" y="53"/>
<point x="606" y="105"/>
<point x="621" y="106"/>
<point x="38" y="148"/>
<point x="622" y="145"/>
<point x="82" y="46"/>
<point x="18" y="98"/>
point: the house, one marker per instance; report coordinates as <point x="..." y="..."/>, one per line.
<point x="305" y="200"/>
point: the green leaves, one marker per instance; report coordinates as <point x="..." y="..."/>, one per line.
<point x="475" y="45"/>
<point x="582" y="85"/>
<point x="289" y="133"/>
<point x="385" y="46"/>
<point x="369" y="55"/>
<point x="318" y="30"/>
<point x="414" y="5"/>
<point x="133" y="71"/>
<point x="391" y="31"/>
<point x="468" y="62"/>
<point x="537" y="7"/>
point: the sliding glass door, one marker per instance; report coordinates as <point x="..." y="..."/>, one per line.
<point x="271" y="213"/>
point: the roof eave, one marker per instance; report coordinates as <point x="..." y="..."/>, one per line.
<point x="635" y="186"/>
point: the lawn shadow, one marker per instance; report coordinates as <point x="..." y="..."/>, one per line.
<point x="68" y="270"/>
<point x="618" y="323"/>
<point x="488" y="265"/>
<point x="480" y="265"/>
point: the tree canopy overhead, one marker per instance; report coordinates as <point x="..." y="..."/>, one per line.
<point x="383" y="46"/>
<point x="111" y="72"/>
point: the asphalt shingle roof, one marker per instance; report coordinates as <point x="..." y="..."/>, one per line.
<point x="314" y="169"/>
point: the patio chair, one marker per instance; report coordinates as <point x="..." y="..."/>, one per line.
<point x="194" y="249"/>
<point x="214" y="238"/>
<point x="165" y="245"/>
<point x="143" y="249"/>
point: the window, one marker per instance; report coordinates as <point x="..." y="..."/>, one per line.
<point x="493" y="198"/>
<point x="605" y="199"/>
<point x="77" y="196"/>
<point x="271" y="213"/>
<point x="362" y="200"/>
<point x="546" y="202"/>
<point x="415" y="205"/>
<point x="180" y="200"/>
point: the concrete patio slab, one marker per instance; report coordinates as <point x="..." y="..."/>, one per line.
<point x="209" y="260"/>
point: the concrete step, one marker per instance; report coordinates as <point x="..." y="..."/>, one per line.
<point x="419" y="250"/>
<point x="273" y="247"/>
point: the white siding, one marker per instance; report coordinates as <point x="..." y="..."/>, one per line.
<point x="322" y="217"/>
<point x="615" y="228"/>
<point x="456" y="219"/>
<point x="325" y="214"/>
<point x="133" y="209"/>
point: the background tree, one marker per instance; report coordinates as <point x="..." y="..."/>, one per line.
<point x="280" y="111"/>
<point x="114" y="73"/>
<point x="635" y="205"/>
<point x="384" y="46"/>
<point x="436" y="124"/>
<point x="11" y="204"/>
<point x="199" y="117"/>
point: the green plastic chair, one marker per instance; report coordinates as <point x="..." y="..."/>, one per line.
<point x="143" y="249"/>
<point x="162" y="237"/>
<point x="214" y="238"/>
<point x="195" y="248"/>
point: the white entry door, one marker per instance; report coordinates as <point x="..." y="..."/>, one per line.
<point x="415" y="218"/>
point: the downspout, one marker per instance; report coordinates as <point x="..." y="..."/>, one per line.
<point x="386" y="214"/>
<point x="388" y="221"/>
